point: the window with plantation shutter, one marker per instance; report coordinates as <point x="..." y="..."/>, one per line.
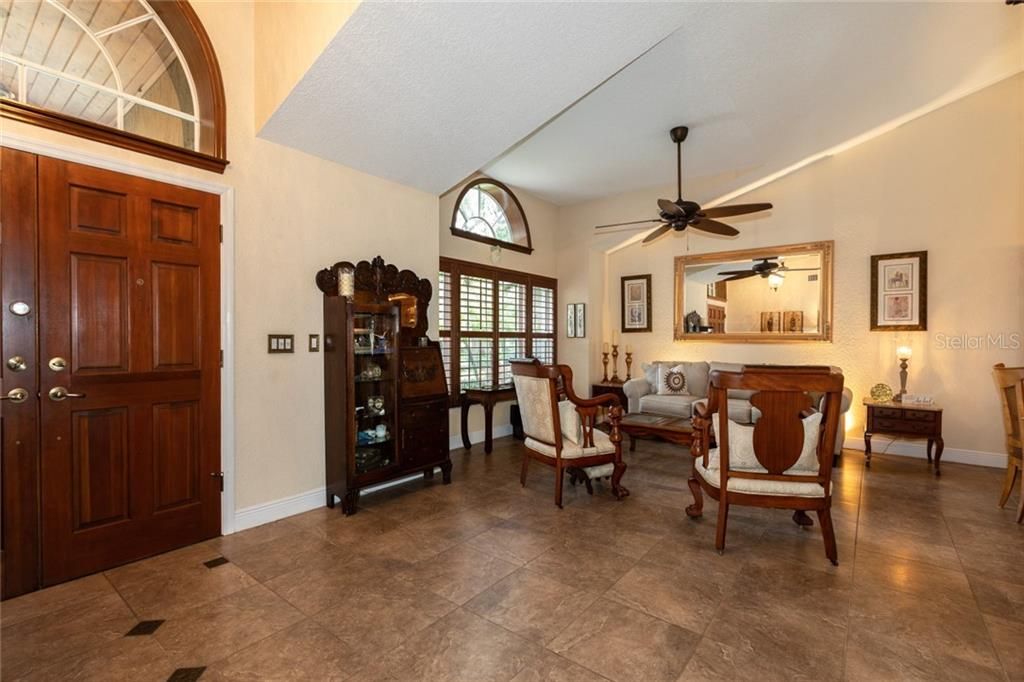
<point x="488" y="316"/>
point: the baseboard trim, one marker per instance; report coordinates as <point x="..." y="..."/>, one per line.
<point x="259" y="514"/>
<point x="455" y="442"/>
<point x="918" y="450"/>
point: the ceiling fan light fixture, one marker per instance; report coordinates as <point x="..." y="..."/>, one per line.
<point x="775" y="281"/>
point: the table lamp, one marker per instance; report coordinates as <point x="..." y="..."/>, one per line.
<point x="903" y="354"/>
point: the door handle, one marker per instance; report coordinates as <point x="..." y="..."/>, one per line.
<point x="59" y="393"/>
<point x="16" y="395"/>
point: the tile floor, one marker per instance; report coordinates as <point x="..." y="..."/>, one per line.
<point x="482" y="580"/>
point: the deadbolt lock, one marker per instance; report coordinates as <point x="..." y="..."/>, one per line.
<point x="57" y="364"/>
<point x="17" y="364"/>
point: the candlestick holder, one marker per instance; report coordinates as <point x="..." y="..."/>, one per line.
<point x="604" y="361"/>
<point x="629" y="365"/>
<point x="615" y="365"/>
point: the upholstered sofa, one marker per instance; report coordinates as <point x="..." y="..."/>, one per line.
<point x="644" y="396"/>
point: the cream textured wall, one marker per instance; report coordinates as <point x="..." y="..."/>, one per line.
<point x="295" y="214"/>
<point x="294" y="32"/>
<point x="950" y="183"/>
<point x="543" y="220"/>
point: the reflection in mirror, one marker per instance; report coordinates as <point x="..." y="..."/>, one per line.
<point x="774" y="293"/>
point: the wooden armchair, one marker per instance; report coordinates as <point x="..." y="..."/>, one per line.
<point x="561" y="433"/>
<point x="1010" y="383"/>
<point x="783" y="461"/>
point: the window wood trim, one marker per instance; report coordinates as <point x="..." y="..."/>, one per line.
<point x="516" y="222"/>
<point x="188" y="32"/>
<point x="455" y="269"/>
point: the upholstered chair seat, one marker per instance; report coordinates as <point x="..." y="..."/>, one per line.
<point x="783" y="459"/>
<point x="561" y="433"/>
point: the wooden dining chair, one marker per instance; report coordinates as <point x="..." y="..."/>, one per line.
<point x="1010" y="384"/>
<point x="784" y="460"/>
<point x="561" y="433"/>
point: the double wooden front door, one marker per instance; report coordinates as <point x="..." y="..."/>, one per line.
<point x="123" y="380"/>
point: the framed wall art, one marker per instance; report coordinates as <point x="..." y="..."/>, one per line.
<point x="899" y="292"/>
<point x="771" y="322"/>
<point x="581" y="320"/>
<point x="570" y="320"/>
<point x="636" y="303"/>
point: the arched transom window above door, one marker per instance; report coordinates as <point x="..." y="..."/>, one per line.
<point x="138" y="74"/>
<point x="487" y="211"/>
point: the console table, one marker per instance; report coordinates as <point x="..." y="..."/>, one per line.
<point x="905" y="420"/>
<point x="488" y="397"/>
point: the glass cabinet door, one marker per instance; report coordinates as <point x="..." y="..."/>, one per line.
<point x="376" y="378"/>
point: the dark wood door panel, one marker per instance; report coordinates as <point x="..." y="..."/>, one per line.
<point x="19" y="422"/>
<point x="174" y="223"/>
<point x="177" y="470"/>
<point x="99" y="314"/>
<point x="177" y="316"/>
<point x="126" y="465"/>
<point x="100" y="469"/>
<point x="98" y="211"/>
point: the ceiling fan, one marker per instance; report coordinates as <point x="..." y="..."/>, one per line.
<point x="679" y="214"/>
<point x="762" y="267"/>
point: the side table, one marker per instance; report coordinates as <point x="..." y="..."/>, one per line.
<point x="905" y="420"/>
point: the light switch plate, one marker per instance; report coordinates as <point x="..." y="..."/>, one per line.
<point x="280" y="343"/>
<point x="314" y="343"/>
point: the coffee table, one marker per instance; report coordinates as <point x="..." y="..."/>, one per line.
<point x="678" y="430"/>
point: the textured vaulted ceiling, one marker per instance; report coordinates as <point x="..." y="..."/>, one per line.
<point x="573" y="101"/>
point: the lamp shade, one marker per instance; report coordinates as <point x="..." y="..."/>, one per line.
<point x="904" y="353"/>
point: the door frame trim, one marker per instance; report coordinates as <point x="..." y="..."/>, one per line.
<point x="227" y="285"/>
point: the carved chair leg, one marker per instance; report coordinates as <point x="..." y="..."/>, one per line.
<point x="526" y="467"/>
<point x="559" y="472"/>
<point x="801" y="519"/>
<point x="590" y="486"/>
<point x="695" y="510"/>
<point x="618" y="489"/>
<point x="1011" y="477"/>
<point x="723" y="521"/>
<point x="829" y="535"/>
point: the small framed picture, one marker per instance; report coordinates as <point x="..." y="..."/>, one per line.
<point x="792" y="322"/>
<point x="636" y="303"/>
<point x="771" y="321"/>
<point x="570" y="321"/>
<point x="581" y="320"/>
<point x="899" y="291"/>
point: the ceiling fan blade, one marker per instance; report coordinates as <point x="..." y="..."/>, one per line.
<point x="785" y="269"/>
<point x="737" y="209"/>
<point x="742" y="276"/>
<point x="657" y="233"/>
<point x="670" y="207"/>
<point x="715" y="227"/>
<point x="736" y="272"/>
<point x="635" y="222"/>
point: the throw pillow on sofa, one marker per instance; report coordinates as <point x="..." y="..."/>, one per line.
<point x="671" y="380"/>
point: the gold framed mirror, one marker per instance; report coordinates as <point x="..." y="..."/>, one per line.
<point x="766" y="294"/>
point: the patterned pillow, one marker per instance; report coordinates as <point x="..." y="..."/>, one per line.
<point x="671" y="380"/>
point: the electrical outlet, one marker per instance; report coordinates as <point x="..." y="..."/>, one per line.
<point x="280" y="343"/>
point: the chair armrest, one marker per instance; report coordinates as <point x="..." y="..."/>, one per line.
<point x="634" y="390"/>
